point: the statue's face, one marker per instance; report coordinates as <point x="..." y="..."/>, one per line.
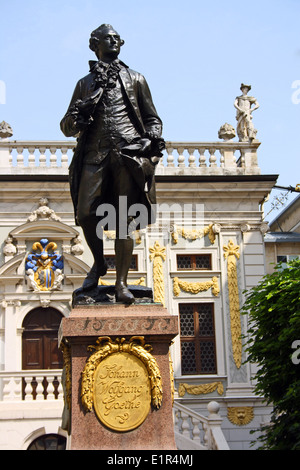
<point x="109" y="44"/>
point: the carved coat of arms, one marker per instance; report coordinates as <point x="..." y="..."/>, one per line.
<point x="44" y="266"/>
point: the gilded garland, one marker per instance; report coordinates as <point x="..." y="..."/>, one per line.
<point x="121" y="380"/>
<point x="200" y="389"/>
<point x="196" y="287"/>
<point x="193" y="234"/>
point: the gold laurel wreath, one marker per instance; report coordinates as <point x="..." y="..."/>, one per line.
<point x="105" y="347"/>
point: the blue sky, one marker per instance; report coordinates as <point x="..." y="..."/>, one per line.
<point x="194" y="54"/>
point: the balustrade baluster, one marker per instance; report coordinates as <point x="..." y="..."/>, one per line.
<point x="170" y="158"/>
<point x="181" y="157"/>
<point x="185" y="426"/>
<point x="50" y="388"/>
<point x="28" y="389"/>
<point x="64" y="157"/>
<point x="20" y="157"/>
<point x="60" y="389"/>
<point x="212" y="158"/>
<point x="222" y="159"/>
<point x="53" y="157"/>
<point x="192" y="158"/>
<point x="196" y="430"/>
<point x="17" y="388"/>
<point x="242" y="159"/>
<point x="206" y="438"/>
<point x="39" y="389"/>
<point x="42" y="159"/>
<point x="7" y="388"/>
<point x="202" y="159"/>
<point x="31" y="156"/>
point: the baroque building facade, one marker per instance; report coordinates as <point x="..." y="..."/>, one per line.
<point x="205" y="250"/>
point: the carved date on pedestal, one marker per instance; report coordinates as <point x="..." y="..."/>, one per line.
<point x="127" y="324"/>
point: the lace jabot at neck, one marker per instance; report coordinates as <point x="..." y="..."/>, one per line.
<point x="105" y="75"/>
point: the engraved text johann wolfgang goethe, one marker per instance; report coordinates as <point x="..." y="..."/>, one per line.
<point x="121" y="380"/>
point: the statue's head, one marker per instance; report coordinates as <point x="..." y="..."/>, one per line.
<point x="106" y="42"/>
<point x="245" y="88"/>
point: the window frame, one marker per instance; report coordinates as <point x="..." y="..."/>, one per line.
<point x="197" y="339"/>
<point x="193" y="261"/>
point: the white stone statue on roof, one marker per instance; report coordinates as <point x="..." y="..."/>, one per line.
<point x="245" y="105"/>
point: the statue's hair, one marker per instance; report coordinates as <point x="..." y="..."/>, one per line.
<point x="94" y="39"/>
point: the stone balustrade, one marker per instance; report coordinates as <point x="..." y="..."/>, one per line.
<point x="180" y="158"/>
<point x="196" y="432"/>
<point x="30" y="385"/>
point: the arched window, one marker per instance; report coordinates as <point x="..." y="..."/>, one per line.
<point x="40" y="339"/>
<point x="48" y="442"/>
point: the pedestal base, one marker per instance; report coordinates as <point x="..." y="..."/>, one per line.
<point x="82" y="328"/>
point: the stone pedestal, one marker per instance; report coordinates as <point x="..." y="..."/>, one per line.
<point x="81" y="329"/>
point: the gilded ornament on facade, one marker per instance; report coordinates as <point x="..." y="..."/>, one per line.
<point x="240" y="415"/>
<point x="195" y="287"/>
<point x="200" y="389"/>
<point x="158" y="255"/>
<point x="193" y="234"/>
<point x="121" y="380"/>
<point x="232" y="254"/>
<point x="44" y="266"/>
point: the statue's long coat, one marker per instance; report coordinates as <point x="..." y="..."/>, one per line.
<point x="146" y="120"/>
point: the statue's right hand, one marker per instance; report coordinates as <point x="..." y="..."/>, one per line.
<point x="82" y="122"/>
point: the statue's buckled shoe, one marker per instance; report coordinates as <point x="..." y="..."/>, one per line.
<point x="124" y="295"/>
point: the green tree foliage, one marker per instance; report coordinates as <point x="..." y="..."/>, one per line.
<point x="273" y="343"/>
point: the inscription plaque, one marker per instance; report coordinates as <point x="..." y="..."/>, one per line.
<point x="121" y="380"/>
<point x="122" y="395"/>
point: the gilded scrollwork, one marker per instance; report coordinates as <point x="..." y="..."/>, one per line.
<point x="105" y="347"/>
<point x="195" y="287"/>
<point x="232" y="254"/>
<point x="200" y="389"/>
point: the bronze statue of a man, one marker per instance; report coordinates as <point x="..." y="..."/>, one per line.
<point x="119" y="139"/>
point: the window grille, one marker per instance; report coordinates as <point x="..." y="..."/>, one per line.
<point x="197" y="335"/>
<point x="194" y="262"/>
